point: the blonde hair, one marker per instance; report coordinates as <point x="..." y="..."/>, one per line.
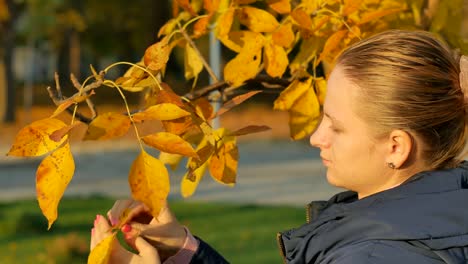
<point x="409" y="80"/>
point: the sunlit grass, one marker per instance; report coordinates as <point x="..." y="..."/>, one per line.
<point x="241" y="233"/>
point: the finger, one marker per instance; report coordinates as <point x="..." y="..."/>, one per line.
<point x="166" y="215"/>
<point x="93" y="240"/>
<point x="117" y="209"/>
<point x="148" y="253"/>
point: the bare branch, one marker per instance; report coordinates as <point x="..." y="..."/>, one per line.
<point x="90" y="103"/>
<point x="58" y="101"/>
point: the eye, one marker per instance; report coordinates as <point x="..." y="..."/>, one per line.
<point x="335" y="129"/>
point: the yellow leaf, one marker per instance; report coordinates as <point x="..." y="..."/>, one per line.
<point x="34" y="139"/>
<point x="375" y="15"/>
<point x="238" y="40"/>
<point x="302" y="18"/>
<point x="321" y="88"/>
<point x="304" y="115"/>
<point x="191" y="180"/>
<point x="101" y="253"/>
<point x="167" y="28"/>
<point x="243" y="67"/>
<point x="223" y="163"/>
<point x="52" y="178"/>
<point x="292" y="93"/>
<point x="170" y="143"/>
<point x="257" y="20"/>
<point x="284" y="36"/>
<point x="193" y="63"/>
<point x="332" y="43"/>
<point x="307" y="51"/>
<point x="172" y="160"/>
<point x="275" y="60"/>
<point x="280" y="6"/>
<point x="157" y="55"/>
<point x="164" y="111"/>
<point x="107" y="126"/>
<point x="149" y="182"/>
<point x="224" y="23"/>
<point x="351" y="6"/>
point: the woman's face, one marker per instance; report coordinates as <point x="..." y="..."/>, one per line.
<point x="354" y="159"/>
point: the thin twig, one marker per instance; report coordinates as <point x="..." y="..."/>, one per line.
<point x="197" y="51"/>
<point x="58" y="101"/>
<point x="90" y="103"/>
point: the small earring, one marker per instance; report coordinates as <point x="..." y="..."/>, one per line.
<point x="391" y="165"/>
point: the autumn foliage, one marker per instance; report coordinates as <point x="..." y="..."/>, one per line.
<point x="279" y="44"/>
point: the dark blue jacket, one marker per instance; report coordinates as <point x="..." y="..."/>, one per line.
<point x="424" y="220"/>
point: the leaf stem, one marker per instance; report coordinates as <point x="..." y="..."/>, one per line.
<point x="79" y="94"/>
<point x="134" y="65"/>
<point x="128" y="110"/>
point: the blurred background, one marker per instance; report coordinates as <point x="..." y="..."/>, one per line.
<point x="276" y="176"/>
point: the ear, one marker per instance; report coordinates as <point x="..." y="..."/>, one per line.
<point x="400" y="146"/>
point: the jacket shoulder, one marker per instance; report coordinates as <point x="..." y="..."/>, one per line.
<point x="382" y="252"/>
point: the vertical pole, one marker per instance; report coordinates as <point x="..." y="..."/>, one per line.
<point x="215" y="64"/>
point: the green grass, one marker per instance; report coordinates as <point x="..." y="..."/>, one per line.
<point x="241" y="233"/>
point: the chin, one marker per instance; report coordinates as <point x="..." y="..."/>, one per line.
<point x="334" y="181"/>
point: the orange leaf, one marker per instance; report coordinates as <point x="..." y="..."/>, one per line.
<point x="149" y="182"/>
<point x="101" y="253"/>
<point x="351" y="6"/>
<point x="200" y="27"/>
<point x="211" y="5"/>
<point x="223" y="163"/>
<point x="284" y="36"/>
<point x="59" y="134"/>
<point x="164" y="111"/>
<point x="224" y="23"/>
<point x="170" y="143"/>
<point x="304" y="115"/>
<point x="203" y="108"/>
<point x="52" y="178"/>
<point x="249" y="130"/>
<point x="375" y="15"/>
<point x="332" y="43"/>
<point x="168" y="96"/>
<point x="302" y="18"/>
<point x="243" y="67"/>
<point x="275" y="59"/>
<point x="107" y="126"/>
<point x="157" y="55"/>
<point x="257" y="20"/>
<point x="178" y="126"/>
<point x="280" y="6"/>
<point x="292" y="93"/>
<point x="236" y="101"/>
<point x="34" y="139"/>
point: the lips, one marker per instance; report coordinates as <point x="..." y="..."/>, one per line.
<point x="325" y="161"/>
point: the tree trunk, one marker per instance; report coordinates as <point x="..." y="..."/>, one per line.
<point x="9" y="108"/>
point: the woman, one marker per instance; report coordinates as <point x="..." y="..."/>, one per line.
<point x="392" y="133"/>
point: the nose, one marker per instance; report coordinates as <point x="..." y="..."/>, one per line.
<point x="318" y="138"/>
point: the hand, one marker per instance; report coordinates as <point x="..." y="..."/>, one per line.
<point x="163" y="232"/>
<point x="147" y="253"/>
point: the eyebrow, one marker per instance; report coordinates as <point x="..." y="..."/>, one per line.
<point x="333" y="119"/>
